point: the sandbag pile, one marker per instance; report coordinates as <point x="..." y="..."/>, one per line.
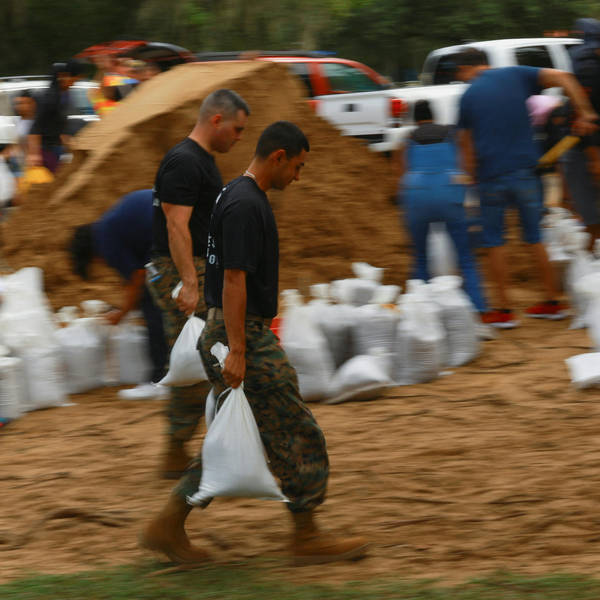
<point x="357" y="337"/>
<point x="44" y="357"/>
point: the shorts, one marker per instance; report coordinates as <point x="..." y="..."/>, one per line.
<point x="521" y="189"/>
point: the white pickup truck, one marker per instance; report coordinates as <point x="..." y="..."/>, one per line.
<point x="444" y="93"/>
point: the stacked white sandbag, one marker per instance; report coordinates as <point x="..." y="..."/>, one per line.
<point x="353" y="291"/>
<point x="12" y="389"/>
<point x="420" y="340"/>
<point x="441" y="255"/>
<point x="375" y="327"/>
<point x="459" y="318"/>
<point x="363" y="377"/>
<point x="581" y="264"/>
<point x="584" y="369"/>
<point x="83" y="351"/>
<point x="306" y="347"/>
<point x="589" y="286"/>
<point x="27" y="327"/>
<point x="129" y="345"/>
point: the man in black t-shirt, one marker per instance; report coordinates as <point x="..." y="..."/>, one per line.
<point x="241" y="294"/>
<point x="185" y="188"/>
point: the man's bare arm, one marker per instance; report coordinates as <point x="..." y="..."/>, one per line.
<point x="181" y="248"/>
<point x="234" y="313"/>
<point x="467" y="152"/>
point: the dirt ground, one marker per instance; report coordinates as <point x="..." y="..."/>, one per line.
<point x="493" y="466"/>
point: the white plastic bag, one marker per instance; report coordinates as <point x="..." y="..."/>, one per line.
<point x="584" y="369"/>
<point x="83" y="352"/>
<point x="363" y="377"/>
<point x="458" y="317"/>
<point x="308" y="352"/>
<point x="210" y="408"/>
<point x="129" y="343"/>
<point x="233" y="456"/>
<point x="185" y="364"/>
<point x="441" y="255"/>
<point x="420" y="342"/>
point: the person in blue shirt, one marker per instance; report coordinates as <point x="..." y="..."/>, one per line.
<point x="499" y="152"/>
<point x="122" y="238"/>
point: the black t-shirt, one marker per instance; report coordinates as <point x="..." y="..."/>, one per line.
<point x="51" y="116"/>
<point x="189" y="176"/>
<point x="243" y="235"/>
<point x="430" y="133"/>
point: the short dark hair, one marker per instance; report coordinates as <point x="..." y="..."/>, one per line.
<point x="470" y="57"/>
<point x="223" y="101"/>
<point x="423" y="111"/>
<point x="81" y="250"/>
<point x="282" y="135"/>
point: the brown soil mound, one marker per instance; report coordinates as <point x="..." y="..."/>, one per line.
<point x="339" y="211"/>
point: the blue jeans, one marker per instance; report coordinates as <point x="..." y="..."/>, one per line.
<point x="522" y="189"/>
<point x="425" y="206"/>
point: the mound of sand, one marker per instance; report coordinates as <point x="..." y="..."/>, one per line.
<point x="341" y="209"/>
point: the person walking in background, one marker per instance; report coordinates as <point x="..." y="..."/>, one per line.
<point x="25" y="108"/>
<point x="241" y="290"/>
<point x="186" y="186"/>
<point x="499" y="152"/>
<point x="122" y="238"/>
<point x="433" y="191"/>
<point x="581" y="165"/>
<point x="49" y="133"/>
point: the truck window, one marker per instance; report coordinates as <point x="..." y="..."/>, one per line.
<point x="345" y="78"/>
<point x="440" y="70"/>
<point x="302" y="70"/>
<point x="534" y="56"/>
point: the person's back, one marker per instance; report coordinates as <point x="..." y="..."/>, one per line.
<point x="494" y="109"/>
<point x="123" y="235"/>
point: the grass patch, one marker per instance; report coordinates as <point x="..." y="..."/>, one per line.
<point x="254" y="583"/>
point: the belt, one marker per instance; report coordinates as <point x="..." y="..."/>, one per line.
<point x="215" y="314"/>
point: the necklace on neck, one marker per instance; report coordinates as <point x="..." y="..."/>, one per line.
<point x="249" y="174"/>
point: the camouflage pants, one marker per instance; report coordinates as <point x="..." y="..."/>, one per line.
<point x="294" y="442"/>
<point x="186" y="406"/>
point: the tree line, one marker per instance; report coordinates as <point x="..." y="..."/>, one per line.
<point x="392" y="36"/>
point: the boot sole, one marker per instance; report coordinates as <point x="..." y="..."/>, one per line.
<point x="172" y="474"/>
<point x="319" y="559"/>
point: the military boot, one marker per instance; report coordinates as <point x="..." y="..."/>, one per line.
<point x="166" y="534"/>
<point x="310" y="546"/>
<point x="175" y="460"/>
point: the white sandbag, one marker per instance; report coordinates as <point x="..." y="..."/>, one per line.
<point x="336" y="322"/>
<point x="580" y="265"/>
<point x="458" y="317"/>
<point x="12" y="393"/>
<point x="363" y="377"/>
<point x="129" y="343"/>
<point x="386" y="294"/>
<point x="308" y="352"/>
<point x="375" y="327"/>
<point x="83" y="353"/>
<point x="185" y="364"/>
<point x="32" y="327"/>
<point x="233" y="456"/>
<point x="584" y="369"/>
<point x="364" y="270"/>
<point x="44" y="377"/>
<point x="24" y="291"/>
<point x="353" y="291"/>
<point x="420" y="342"/>
<point x="210" y="408"/>
<point x="441" y="254"/>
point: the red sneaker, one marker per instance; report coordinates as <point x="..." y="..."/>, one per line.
<point x="550" y="309"/>
<point x="501" y="318"/>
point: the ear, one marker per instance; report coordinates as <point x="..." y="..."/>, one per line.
<point x="217" y="119"/>
<point x="278" y="155"/>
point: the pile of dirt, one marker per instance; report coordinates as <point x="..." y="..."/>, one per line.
<point x="341" y="210"/>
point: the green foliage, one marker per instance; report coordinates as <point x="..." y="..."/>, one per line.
<point x="393" y="36"/>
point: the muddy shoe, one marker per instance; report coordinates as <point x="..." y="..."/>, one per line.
<point x="310" y="546"/>
<point x="175" y="461"/>
<point x="166" y="534"/>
